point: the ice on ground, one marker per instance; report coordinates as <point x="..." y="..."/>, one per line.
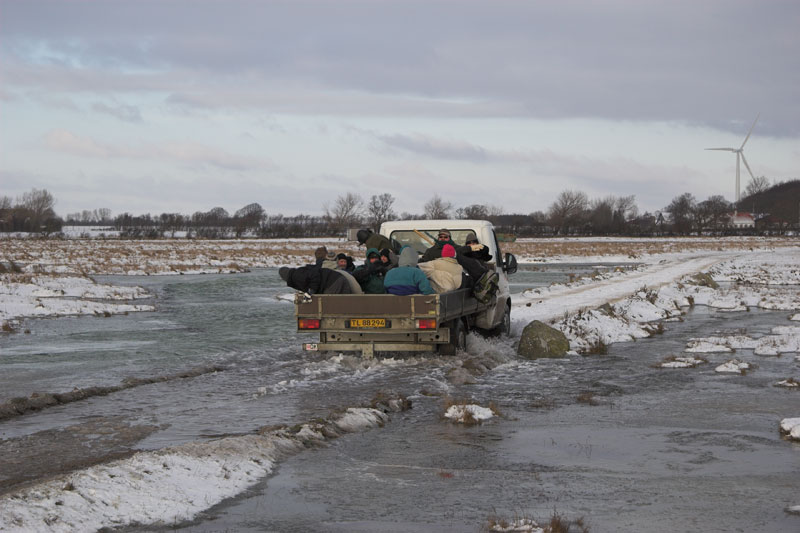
<point x="705" y="346"/>
<point x="734" y="366"/>
<point x="682" y="362"/>
<point x="790" y="427"/>
<point x="167" y="486"/>
<point x="516" y="525"/>
<point x="464" y="414"/>
<point x="358" y="418"/>
<point x="48" y="296"/>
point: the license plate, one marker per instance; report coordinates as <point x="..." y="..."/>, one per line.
<point x="311" y="347"/>
<point x="367" y="323"/>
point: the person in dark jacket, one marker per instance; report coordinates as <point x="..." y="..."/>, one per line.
<point x="373" y="240"/>
<point x="389" y="259"/>
<point x="315" y="280"/>
<point x="407" y="278"/>
<point x="435" y="251"/>
<point x="370" y="274"/>
<point x="474" y="249"/>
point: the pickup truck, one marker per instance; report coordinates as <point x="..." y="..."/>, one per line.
<point x="370" y="323"/>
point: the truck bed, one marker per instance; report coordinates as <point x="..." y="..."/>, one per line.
<point x="396" y="325"/>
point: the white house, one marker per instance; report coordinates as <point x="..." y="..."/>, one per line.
<point x="742" y="220"/>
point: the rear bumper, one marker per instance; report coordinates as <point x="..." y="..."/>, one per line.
<point x="368" y="349"/>
<point x="369" y="342"/>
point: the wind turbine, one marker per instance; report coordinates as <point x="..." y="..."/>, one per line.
<point x="740" y="155"/>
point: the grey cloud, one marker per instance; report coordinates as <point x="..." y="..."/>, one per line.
<point x="712" y="62"/>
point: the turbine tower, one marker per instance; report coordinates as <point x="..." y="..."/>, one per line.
<point x="740" y="156"/>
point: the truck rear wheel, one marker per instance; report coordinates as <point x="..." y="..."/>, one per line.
<point x="458" y="338"/>
<point x="504" y="327"/>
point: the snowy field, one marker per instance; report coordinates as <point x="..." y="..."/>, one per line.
<point x="593" y="312"/>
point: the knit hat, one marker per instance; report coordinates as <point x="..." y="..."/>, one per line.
<point x="342" y="255"/>
<point x="448" y="251"/>
<point x="321" y="252"/>
<point x="471" y="237"/>
<point x="283" y="272"/>
<point x="447" y="231"/>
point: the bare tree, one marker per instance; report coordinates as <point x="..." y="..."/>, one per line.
<point x="473" y="212"/>
<point x="757" y="184"/>
<point x="681" y="211"/>
<point x="346" y="211"/>
<point x="437" y="208"/>
<point x="379" y="210"/>
<point x="569" y="210"/>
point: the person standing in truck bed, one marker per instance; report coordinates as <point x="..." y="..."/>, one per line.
<point x="373" y="240"/>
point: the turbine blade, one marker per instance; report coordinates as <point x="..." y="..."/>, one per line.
<point x="726" y="149"/>
<point x="748" y="166"/>
<point x="751" y="131"/>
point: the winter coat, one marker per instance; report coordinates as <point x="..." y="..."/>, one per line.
<point x="435" y="251"/>
<point x="477" y="251"/>
<point x="444" y="273"/>
<point x="315" y="280"/>
<point x="370" y="275"/>
<point x="407" y="278"/>
<point x="378" y="241"/>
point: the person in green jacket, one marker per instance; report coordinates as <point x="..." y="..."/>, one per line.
<point x="370" y="274"/>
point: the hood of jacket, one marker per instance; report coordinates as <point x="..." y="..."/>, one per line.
<point x="372" y="251"/>
<point x="408" y="257"/>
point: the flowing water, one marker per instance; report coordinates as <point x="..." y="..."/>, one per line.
<point x="642" y="450"/>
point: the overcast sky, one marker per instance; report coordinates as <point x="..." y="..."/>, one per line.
<point x="184" y="105"/>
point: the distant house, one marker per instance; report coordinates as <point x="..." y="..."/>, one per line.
<point x="742" y="220"/>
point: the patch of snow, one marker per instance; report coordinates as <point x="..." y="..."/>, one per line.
<point x="682" y="362"/>
<point x="704" y="346"/>
<point x="734" y="366"/>
<point x="460" y="413"/>
<point x="791" y="428"/>
<point x="790" y="383"/>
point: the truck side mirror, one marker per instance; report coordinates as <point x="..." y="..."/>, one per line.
<point x="510" y="264"/>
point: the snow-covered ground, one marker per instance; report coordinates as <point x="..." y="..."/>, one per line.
<point x="196" y="476"/>
<point x="49" y="296"/>
<point x="658" y="292"/>
<point x="116" y="493"/>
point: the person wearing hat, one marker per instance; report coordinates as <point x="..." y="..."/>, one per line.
<point x="444" y="273"/>
<point x="407" y="278"/>
<point x="435" y="251"/>
<point x="315" y="280"/>
<point x="474" y="249"/>
<point x="324" y="258"/>
<point x="370" y="274"/>
<point x="344" y="262"/>
<point x="372" y="240"/>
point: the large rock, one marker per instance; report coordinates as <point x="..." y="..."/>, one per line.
<point x="540" y="340"/>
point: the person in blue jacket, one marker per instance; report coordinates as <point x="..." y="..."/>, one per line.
<point x="407" y="278"/>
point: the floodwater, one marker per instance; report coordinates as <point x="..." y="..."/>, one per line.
<point x="654" y="450"/>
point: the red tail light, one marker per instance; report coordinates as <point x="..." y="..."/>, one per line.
<point x="426" y="323"/>
<point x="308" y="323"/>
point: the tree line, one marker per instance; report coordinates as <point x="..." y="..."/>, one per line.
<point x="572" y="213"/>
